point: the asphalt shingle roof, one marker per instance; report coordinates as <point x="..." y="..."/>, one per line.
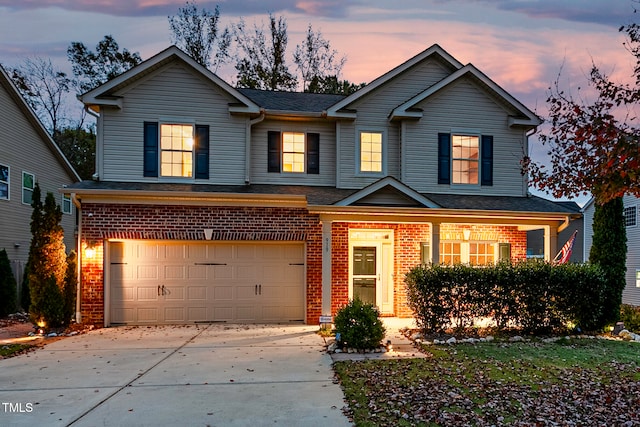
<point x="291" y="101"/>
<point x="323" y="196"/>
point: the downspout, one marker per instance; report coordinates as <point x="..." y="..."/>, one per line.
<point x="96" y="175"/>
<point x="78" y="205"/>
<point x="247" y="146"/>
<point x="530" y="133"/>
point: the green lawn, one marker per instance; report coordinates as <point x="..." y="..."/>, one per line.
<point x="10" y="350"/>
<point x="570" y="382"/>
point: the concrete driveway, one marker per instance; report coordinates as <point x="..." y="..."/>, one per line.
<point x="196" y="375"/>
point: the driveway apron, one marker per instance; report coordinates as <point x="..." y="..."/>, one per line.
<point x="196" y="375"/>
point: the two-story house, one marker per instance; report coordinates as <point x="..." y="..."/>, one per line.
<point x="28" y="155"/>
<point x="219" y="204"/>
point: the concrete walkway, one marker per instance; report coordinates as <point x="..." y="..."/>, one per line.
<point x="206" y="375"/>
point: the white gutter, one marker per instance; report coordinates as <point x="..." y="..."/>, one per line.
<point x="247" y="146"/>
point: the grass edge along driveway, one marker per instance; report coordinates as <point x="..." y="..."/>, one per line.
<point x="570" y="382"/>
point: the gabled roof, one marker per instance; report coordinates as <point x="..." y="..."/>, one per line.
<point x="431" y="51"/>
<point x="104" y="94"/>
<point x="291" y="102"/>
<point x="30" y="115"/>
<point x="404" y="191"/>
<point x="527" y="117"/>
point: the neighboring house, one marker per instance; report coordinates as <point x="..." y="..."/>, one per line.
<point x="219" y="204"/>
<point x="535" y="238"/>
<point x="28" y="155"/>
<point x="631" y="293"/>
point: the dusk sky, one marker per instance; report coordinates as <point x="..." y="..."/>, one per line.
<point x="520" y="44"/>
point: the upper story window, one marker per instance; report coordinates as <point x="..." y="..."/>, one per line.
<point x="4" y="182"/>
<point x="176" y="150"/>
<point x="630" y="216"/>
<point x="371" y="152"/>
<point x="465" y="159"/>
<point x="66" y="204"/>
<point x="28" y="185"/>
<point x="293" y="152"/>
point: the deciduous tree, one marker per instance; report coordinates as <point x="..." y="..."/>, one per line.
<point x="316" y="60"/>
<point x="195" y="31"/>
<point x="45" y="88"/>
<point x="261" y="61"/>
<point x="91" y="69"/>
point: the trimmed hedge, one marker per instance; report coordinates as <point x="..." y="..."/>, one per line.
<point x="534" y="296"/>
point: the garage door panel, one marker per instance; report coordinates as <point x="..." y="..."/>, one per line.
<point x="206" y="281"/>
<point x="174" y="272"/>
<point x="197" y="293"/>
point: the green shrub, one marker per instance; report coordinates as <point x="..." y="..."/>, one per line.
<point x="8" y="288"/>
<point x="534" y="296"/>
<point x="359" y="326"/>
<point x="630" y="315"/>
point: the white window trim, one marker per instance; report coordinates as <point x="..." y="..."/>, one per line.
<point x="8" y="181"/>
<point x="465" y="249"/>
<point x="24" y="188"/>
<point x="169" y="121"/>
<point x="465" y="132"/>
<point x="282" y="152"/>
<point x="635" y="213"/>
<point x="382" y="131"/>
<point x="67" y="198"/>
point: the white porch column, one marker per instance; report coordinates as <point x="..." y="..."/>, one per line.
<point x="550" y="242"/>
<point x="326" y="268"/>
<point x="435" y="242"/>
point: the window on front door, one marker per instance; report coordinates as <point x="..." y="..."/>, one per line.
<point x="176" y="148"/>
<point x="364" y="273"/>
<point x="371" y="152"/>
<point x="465" y="159"/>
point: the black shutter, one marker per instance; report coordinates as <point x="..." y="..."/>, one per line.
<point x="444" y="158"/>
<point x="274" y="154"/>
<point x="150" y="158"/>
<point x="202" y="152"/>
<point x="313" y="153"/>
<point x="486" y="156"/>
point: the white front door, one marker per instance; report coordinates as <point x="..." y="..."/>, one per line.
<point x="371" y="267"/>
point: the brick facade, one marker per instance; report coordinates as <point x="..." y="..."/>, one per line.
<point x="172" y="222"/>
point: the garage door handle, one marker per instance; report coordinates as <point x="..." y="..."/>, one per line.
<point x="296" y="263"/>
<point x="210" y="263"/>
<point x="258" y="290"/>
<point x="158" y="290"/>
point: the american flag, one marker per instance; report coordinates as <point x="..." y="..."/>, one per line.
<point x="565" y="253"/>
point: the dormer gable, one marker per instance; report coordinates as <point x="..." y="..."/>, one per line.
<point x="523" y="117"/>
<point x="107" y="94"/>
<point x="387" y="192"/>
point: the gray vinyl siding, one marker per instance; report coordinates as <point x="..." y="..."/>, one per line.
<point x="631" y="294"/>
<point x="259" y="150"/>
<point x="463" y="106"/>
<point x="22" y="148"/>
<point x="174" y="94"/>
<point x="373" y="111"/>
<point x="588" y="212"/>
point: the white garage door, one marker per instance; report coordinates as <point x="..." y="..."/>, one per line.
<point x="155" y="282"/>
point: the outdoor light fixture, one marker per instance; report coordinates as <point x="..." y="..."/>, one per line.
<point x="466" y="233"/>
<point x="90" y="250"/>
<point x="208" y="233"/>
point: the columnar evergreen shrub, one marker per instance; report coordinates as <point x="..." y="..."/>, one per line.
<point x="609" y="251"/>
<point x="359" y="325"/>
<point x="70" y="287"/>
<point x="7" y="285"/>
<point x="47" y="262"/>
